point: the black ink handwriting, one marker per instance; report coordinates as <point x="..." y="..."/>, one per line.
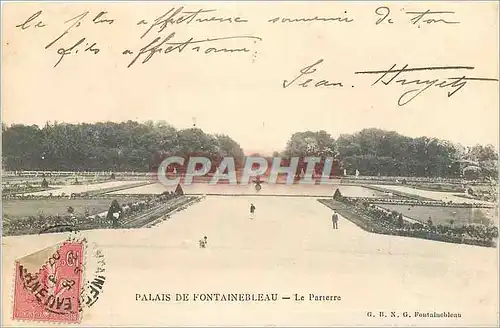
<point x="26" y="24"/>
<point x="179" y="16"/>
<point x="384" y="12"/>
<point x="162" y="45"/>
<point x="311" y="19"/>
<point x="310" y="70"/>
<point x="419" y="16"/>
<point x="77" y="22"/>
<point x="64" y="52"/>
<point x="97" y="19"/>
<point x="455" y="83"/>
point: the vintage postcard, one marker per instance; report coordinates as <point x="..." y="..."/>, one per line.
<point x="311" y="164"/>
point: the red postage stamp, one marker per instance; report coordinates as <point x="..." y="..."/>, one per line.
<point x="48" y="284"/>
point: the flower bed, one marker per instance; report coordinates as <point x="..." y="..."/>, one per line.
<point x="414" y="202"/>
<point x="398" y="193"/>
<point x="377" y="220"/>
<point x="55" y="223"/>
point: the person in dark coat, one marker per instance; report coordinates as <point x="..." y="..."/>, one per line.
<point x="335" y="220"/>
<point x="252" y="211"/>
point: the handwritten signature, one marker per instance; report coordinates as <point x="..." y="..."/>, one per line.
<point x="393" y="76"/>
<point x="421" y="85"/>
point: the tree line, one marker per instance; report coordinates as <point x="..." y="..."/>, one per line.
<point x="134" y="146"/>
<point x="107" y="146"/>
<point x="377" y="152"/>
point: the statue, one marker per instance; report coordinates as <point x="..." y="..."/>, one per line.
<point x="114" y="213"/>
<point x="178" y="190"/>
<point x="258" y="186"/>
<point x="337" y="195"/>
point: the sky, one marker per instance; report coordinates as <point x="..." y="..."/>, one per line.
<point x="242" y="94"/>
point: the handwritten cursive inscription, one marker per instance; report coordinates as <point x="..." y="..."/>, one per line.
<point x="172" y="32"/>
<point x="421" y="85"/>
<point x="418" y="17"/>
<point x="31" y="20"/>
<point x="101" y="18"/>
<point x="74" y="49"/>
<point x="180" y="16"/>
<point x="312" y="19"/>
<point x="310" y="82"/>
<point x="77" y="21"/>
<point x="423" y="16"/>
<point x="165" y="45"/>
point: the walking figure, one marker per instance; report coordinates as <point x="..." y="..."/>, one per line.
<point x="335" y="220"/>
<point x="252" y="211"/>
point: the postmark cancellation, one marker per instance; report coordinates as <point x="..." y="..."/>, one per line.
<point x="50" y="285"/>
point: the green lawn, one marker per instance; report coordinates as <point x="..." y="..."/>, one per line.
<point x="24" y="208"/>
<point x="443" y="215"/>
